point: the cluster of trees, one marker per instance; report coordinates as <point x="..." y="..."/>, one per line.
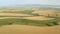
<point x="55" y="22"/>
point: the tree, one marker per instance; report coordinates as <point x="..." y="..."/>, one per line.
<point x="48" y="24"/>
<point x="55" y="22"/>
<point x="36" y="14"/>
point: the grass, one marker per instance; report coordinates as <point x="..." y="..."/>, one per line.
<point x="25" y="22"/>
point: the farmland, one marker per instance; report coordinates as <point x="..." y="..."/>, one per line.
<point x="28" y="21"/>
<point x="27" y="17"/>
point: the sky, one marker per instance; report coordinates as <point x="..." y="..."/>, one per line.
<point x="24" y="2"/>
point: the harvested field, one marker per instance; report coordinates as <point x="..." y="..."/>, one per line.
<point x="38" y="18"/>
<point x="13" y="14"/>
<point x="9" y="17"/>
<point x="24" y="29"/>
<point x="44" y="13"/>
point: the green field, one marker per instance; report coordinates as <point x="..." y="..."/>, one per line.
<point x="26" y="22"/>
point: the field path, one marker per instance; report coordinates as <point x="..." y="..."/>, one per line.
<point x="24" y="29"/>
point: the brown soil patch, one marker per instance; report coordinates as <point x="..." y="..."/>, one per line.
<point x="38" y="18"/>
<point x="24" y="29"/>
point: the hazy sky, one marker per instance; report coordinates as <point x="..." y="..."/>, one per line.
<point x="19" y="2"/>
